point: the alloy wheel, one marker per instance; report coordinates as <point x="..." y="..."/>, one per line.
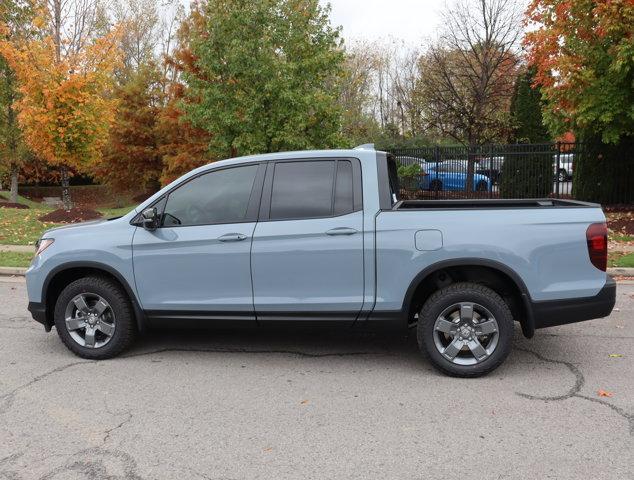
<point x="466" y="333"/>
<point x="90" y="320"/>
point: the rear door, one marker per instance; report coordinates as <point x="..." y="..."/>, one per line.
<point x="307" y="254"/>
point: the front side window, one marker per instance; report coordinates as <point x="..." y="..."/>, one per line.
<point x="220" y="196"/>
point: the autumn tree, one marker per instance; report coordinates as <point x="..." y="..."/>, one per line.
<point x="139" y="20"/>
<point x="268" y="77"/>
<point x="467" y="76"/>
<point x="359" y="123"/>
<point x="583" y="52"/>
<point x="65" y="76"/>
<point x="183" y="146"/>
<point x="131" y="158"/>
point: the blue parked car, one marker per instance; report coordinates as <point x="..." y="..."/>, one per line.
<point x="452" y="175"/>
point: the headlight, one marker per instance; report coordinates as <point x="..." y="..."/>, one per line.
<point x="42" y="244"/>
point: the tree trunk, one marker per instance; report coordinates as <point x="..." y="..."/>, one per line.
<point x="13" y="194"/>
<point x="470" y="166"/>
<point x="66" y="200"/>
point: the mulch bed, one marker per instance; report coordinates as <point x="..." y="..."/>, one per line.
<point x="12" y="205"/>
<point x="74" y="215"/>
<point x="621" y="222"/>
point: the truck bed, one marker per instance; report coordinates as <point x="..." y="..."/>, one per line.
<point x="469" y="204"/>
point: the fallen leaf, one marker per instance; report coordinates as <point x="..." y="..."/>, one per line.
<point x="615" y="355"/>
<point x="603" y="393"/>
<point x="303" y="402"/>
<point x="269" y="449"/>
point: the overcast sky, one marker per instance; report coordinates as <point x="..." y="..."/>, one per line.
<point x="407" y="20"/>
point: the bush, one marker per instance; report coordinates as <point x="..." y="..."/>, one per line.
<point x="604" y="173"/>
<point x="408" y="176"/>
<point x="526" y="176"/>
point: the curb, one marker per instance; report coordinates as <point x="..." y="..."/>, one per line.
<point x="12" y="271"/>
<point x="18" y="248"/>
<point x="623" y="271"/>
<point x="19" y="271"/>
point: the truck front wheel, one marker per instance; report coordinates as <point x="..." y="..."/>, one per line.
<point x="94" y="318"/>
<point x="465" y="329"/>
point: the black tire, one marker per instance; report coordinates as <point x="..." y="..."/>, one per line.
<point x="465" y="292"/>
<point x="116" y="296"/>
<point x="435" y="186"/>
<point x="482" y="186"/>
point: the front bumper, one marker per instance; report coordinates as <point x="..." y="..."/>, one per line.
<point x="38" y="312"/>
<point x="561" y="312"/>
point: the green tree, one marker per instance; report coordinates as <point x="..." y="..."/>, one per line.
<point x="583" y="52"/>
<point x="526" y="111"/>
<point x="267" y="79"/>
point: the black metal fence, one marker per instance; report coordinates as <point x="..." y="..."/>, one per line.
<point x="496" y="171"/>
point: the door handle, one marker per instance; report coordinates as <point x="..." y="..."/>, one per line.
<point x="232" y="237"/>
<point x="341" y="231"/>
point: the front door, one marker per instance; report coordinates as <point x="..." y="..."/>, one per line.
<point x="307" y="255"/>
<point x="197" y="263"/>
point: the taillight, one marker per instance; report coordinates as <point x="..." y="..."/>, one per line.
<point x="597" y="238"/>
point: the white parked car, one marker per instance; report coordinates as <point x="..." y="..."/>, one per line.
<point x="564" y="172"/>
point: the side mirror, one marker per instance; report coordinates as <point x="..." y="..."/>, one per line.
<point x="149" y="219"/>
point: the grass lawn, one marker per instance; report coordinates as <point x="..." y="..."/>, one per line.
<point x="15" y="259"/>
<point x="21" y="226"/>
<point x="621" y="260"/>
<point x="115" y="212"/>
<point x="613" y="237"/>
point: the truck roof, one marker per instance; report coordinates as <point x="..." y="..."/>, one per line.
<point x="265" y="157"/>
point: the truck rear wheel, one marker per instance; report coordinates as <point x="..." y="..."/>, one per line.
<point x="482" y="186"/>
<point x="465" y="330"/>
<point x="94" y="318"/>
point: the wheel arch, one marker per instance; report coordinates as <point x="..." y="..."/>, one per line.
<point x="501" y="278"/>
<point x="61" y="276"/>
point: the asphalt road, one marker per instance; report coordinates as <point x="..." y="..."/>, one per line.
<point x="273" y="405"/>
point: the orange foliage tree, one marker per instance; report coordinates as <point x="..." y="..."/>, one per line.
<point x="65" y="108"/>
<point x="183" y="146"/>
<point x="131" y="159"/>
<point x="583" y="52"/>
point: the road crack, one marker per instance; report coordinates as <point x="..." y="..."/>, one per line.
<point x="109" y="431"/>
<point x="7" y="399"/>
<point x="575" y="389"/>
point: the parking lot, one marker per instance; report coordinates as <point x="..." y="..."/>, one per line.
<point x="272" y="404"/>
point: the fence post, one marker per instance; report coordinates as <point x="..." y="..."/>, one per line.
<point x="436" y="160"/>
<point x="557" y="169"/>
<point x="491" y="171"/>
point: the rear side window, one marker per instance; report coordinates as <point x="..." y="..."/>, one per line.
<point x="220" y="196"/>
<point x="302" y="190"/>
<point x="344" y="201"/>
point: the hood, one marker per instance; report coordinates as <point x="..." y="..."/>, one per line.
<point x="72" y="226"/>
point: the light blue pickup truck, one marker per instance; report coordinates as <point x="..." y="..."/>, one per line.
<point x="320" y="237"/>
